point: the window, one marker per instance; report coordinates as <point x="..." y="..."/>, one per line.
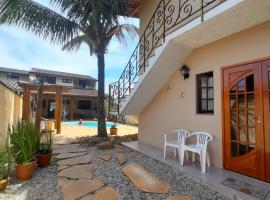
<point x="13" y="76"/>
<point x="48" y="79"/>
<point x="83" y="83"/>
<point x="67" y="80"/>
<point x="84" y="105"/>
<point x="205" y="93"/>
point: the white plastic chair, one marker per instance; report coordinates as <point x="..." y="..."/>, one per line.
<point x="200" y="147"/>
<point x="181" y="134"/>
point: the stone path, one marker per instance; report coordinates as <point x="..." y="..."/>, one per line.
<point x="144" y="180"/>
<point x="76" y="174"/>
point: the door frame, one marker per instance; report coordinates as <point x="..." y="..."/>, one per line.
<point x="223" y="68"/>
<point x="266" y="114"/>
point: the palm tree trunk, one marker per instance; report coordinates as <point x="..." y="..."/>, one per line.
<point x="102" y="131"/>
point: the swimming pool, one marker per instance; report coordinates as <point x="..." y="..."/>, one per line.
<point x="90" y="124"/>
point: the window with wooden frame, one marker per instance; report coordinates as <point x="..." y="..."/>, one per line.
<point x="205" y="93"/>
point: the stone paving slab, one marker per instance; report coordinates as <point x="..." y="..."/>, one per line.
<point x="106" y="194"/>
<point x="105" y="157"/>
<point x="62" y="146"/>
<point x="144" y="180"/>
<point x="61" y="182"/>
<point x="69" y="150"/>
<point x="121" y="159"/>
<point x="76" y="160"/>
<point x="180" y="198"/>
<point x="80" y="188"/>
<point x="78" y="172"/>
<point x="69" y="155"/>
<point x="59" y="168"/>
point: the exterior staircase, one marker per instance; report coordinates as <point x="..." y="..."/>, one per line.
<point x="175" y="29"/>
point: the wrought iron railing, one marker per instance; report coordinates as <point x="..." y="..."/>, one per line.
<point x="169" y="16"/>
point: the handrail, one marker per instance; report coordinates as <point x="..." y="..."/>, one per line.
<point x="169" y="16"/>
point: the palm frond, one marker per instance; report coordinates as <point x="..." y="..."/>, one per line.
<point x="119" y="32"/>
<point x="75" y="43"/>
<point x="42" y="21"/>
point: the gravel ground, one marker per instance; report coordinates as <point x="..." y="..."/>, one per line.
<point x="43" y="186"/>
<point x="44" y="183"/>
<point x="109" y="172"/>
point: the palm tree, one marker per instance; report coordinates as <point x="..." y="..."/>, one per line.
<point x="93" y="22"/>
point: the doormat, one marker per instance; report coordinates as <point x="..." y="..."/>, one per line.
<point x="246" y="188"/>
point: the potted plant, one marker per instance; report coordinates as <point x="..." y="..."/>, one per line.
<point x="5" y="165"/>
<point x="113" y="129"/>
<point x="45" y="150"/>
<point x="24" y="143"/>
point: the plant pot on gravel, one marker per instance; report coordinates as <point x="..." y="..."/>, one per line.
<point x="113" y="130"/>
<point x="5" y="165"/>
<point x="45" y="150"/>
<point x="24" y="141"/>
<point x="25" y="171"/>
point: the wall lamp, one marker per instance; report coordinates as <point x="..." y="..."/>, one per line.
<point x="185" y="71"/>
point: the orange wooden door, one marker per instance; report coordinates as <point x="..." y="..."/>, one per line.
<point x="243" y="120"/>
<point x="266" y="100"/>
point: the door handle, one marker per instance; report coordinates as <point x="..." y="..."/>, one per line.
<point x="259" y="119"/>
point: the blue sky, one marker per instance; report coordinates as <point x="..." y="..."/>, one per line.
<point x="21" y="49"/>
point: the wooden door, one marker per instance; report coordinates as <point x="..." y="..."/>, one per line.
<point x="266" y="103"/>
<point x="243" y="120"/>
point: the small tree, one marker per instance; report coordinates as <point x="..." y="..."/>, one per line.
<point x="93" y="22"/>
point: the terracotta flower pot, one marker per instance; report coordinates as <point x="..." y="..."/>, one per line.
<point x="113" y="131"/>
<point x="44" y="160"/>
<point x="25" y="171"/>
<point x="3" y="184"/>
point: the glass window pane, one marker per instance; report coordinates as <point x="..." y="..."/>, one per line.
<point x="233" y="118"/>
<point x="204" y="93"/>
<point x="251" y="147"/>
<point x="242" y="118"/>
<point x="233" y="89"/>
<point x="250" y="101"/>
<point x="204" y="105"/>
<point x="241" y="85"/>
<point x="250" y="83"/>
<point x="251" y="118"/>
<point x="269" y="79"/>
<point x="233" y="102"/>
<point x="210" y="82"/>
<point x="234" y="150"/>
<point x="252" y="135"/>
<point x="241" y="102"/>
<point x="242" y="134"/>
<point x="210" y="105"/>
<point x="210" y="93"/>
<point x="204" y="81"/>
<point x="242" y="149"/>
<point x="251" y="110"/>
<point x="233" y="133"/>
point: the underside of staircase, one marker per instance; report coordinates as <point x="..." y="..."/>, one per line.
<point x="149" y="70"/>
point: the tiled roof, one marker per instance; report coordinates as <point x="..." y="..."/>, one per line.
<point x="83" y="92"/>
<point x="57" y="73"/>
<point x="16" y="71"/>
<point x="12" y="84"/>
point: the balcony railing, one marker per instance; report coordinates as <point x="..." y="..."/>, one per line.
<point x="169" y="16"/>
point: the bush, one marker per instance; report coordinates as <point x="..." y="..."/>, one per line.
<point x="5" y="160"/>
<point x="24" y="142"/>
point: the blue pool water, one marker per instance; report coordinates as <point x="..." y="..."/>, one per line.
<point x="90" y="124"/>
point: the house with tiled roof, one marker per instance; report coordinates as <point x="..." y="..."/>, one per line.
<point x="80" y="102"/>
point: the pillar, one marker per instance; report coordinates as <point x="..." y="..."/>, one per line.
<point x="58" y="110"/>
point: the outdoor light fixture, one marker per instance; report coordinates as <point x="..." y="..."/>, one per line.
<point x="185" y="71"/>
